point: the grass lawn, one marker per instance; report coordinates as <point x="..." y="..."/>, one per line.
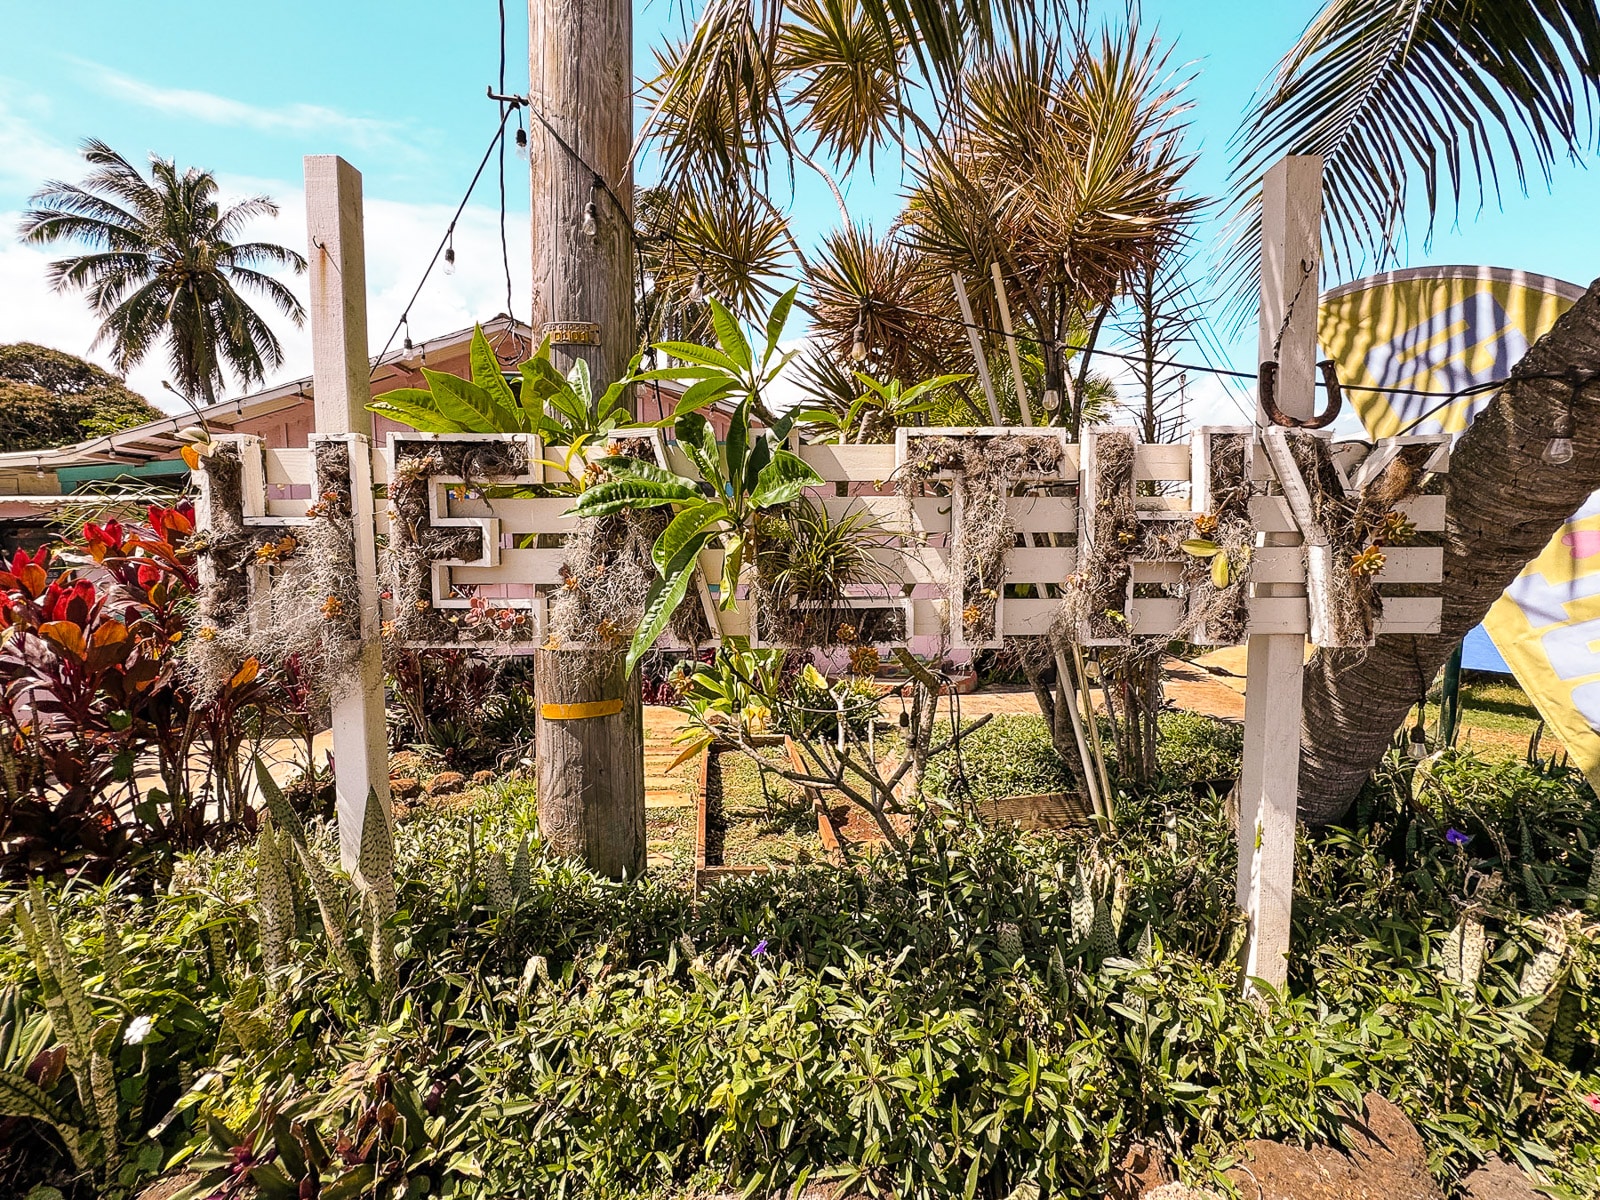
<point x="1497" y="718"/>
<point x="754" y="816"/>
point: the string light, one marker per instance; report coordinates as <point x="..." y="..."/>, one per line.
<point x="450" y="256"/>
<point x="1558" y="450"/>
<point x="1052" y="387"/>
<point x="858" y="346"/>
<point x="591" y="221"/>
<point x="522" y="141"/>
<point x="697" y="290"/>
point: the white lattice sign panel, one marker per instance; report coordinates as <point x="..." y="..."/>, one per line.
<point x="473" y="528"/>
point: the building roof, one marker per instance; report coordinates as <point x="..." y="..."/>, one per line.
<point x="158" y="439"/>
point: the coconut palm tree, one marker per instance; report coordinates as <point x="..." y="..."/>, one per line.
<point x="161" y="264"/>
<point x="1439" y="97"/>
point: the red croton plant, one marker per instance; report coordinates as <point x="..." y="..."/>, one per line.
<point x="105" y="750"/>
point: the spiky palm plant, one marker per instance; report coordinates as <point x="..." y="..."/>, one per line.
<point x="1042" y="151"/>
<point x="162" y="265"/>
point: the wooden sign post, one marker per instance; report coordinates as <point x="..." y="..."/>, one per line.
<point x="1269" y="780"/>
<point x="337" y="267"/>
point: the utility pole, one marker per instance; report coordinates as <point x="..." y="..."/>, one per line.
<point x="1269" y="782"/>
<point x="580" y="102"/>
<point x="589" y="731"/>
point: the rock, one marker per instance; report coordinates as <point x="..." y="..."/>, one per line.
<point x="1181" y="1191"/>
<point x="482" y="777"/>
<point x="404" y="788"/>
<point x="1143" y="1170"/>
<point x="446" y="783"/>
<point x="1386" y="1159"/>
<point x="1498" y="1180"/>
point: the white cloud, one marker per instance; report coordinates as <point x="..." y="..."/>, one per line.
<point x="212" y="109"/>
<point x="27" y="158"/>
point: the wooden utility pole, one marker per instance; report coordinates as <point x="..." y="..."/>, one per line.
<point x="337" y="268"/>
<point x="589" y="745"/>
<point x="1269" y="781"/>
<point x="580" y="99"/>
<point x="589" y="731"/>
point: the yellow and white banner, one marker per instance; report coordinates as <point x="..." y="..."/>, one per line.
<point x="1547" y="627"/>
<point x="1441" y="330"/>
<point x="1438" y="330"/>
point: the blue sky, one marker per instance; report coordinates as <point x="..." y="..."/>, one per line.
<point x="398" y="89"/>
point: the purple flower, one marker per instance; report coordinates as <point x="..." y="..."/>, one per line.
<point x="1456" y="838"/>
<point x="761" y="947"/>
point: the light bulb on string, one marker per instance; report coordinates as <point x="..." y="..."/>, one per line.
<point x="697" y="290"/>
<point x="1052" y="389"/>
<point x="450" y="258"/>
<point x="1417" y="742"/>
<point x="1558" y="450"/>
<point x="591" y="221"/>
<point x="858" y="347"/>
<point x="522" y="142"/>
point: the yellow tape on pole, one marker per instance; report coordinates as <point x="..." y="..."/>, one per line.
<point x="577" y="712"/>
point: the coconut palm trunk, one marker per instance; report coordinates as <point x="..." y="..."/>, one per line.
<point x="1502" y="506"/>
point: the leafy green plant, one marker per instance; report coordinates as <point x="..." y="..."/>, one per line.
<point x="564" y="410"/>
<point x="809" y="563"/>
<point x="751" y="474"/>
<point x="879" y="410"/>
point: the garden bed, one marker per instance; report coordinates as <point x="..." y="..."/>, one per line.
<point x="749" y="820"/>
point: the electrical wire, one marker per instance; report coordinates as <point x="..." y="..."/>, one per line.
<point x="505" y="252"/>
<point x="450" y="229"/>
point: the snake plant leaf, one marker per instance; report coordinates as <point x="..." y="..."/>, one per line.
<point x="21" y="1097"/>
<point x="1219" y="571"/>
<point x="1199" y="547"/>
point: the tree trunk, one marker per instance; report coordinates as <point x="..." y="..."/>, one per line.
<point x="589" y="746"/>
<point x="580" y="73"/>
<point x="1503" y="505"/>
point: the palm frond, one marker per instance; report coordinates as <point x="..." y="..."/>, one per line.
<point x="231" y="221"/>
<point x="285" y="300"/>
<point x="850" y="75"/>
<point x="1392" y="93"/>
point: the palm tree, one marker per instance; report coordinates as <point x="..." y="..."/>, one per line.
<point x="162" y="264"/>
<point x="1450" y="94"/>
<point x="1042" y="150"/>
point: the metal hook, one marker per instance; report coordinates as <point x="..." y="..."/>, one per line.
<point x="1269" y="401"/>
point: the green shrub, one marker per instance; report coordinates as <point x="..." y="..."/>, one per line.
<point x="48" y="398"/>
<point x="930" y="1027"/>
